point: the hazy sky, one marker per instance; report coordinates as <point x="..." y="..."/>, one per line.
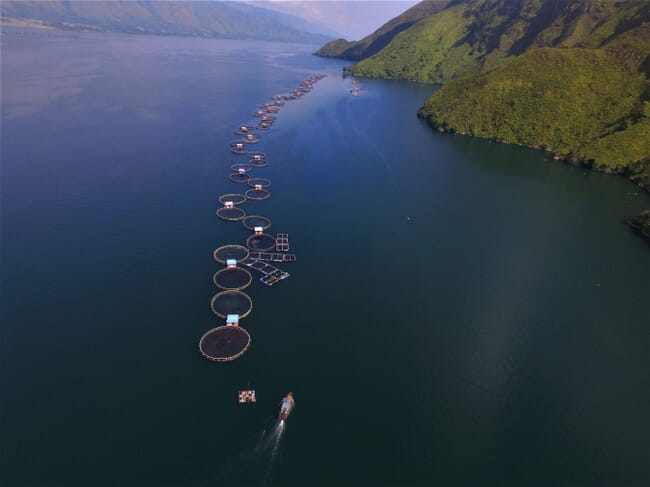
<point x="353" y="19"/>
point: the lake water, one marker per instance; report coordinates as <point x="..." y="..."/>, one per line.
<point x="461" y="311"/>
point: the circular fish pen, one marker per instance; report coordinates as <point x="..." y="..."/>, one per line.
<point x="251" y="138"/>
<point x="231" y="214"/>
<point x="238" y="147"/>
<point x="239" y="177"/>
<point x="226" y="252"/>
<point x="235" y="199"/>
<point x="244" y="129"/>
<point x="258" y="163"/>
<point x="260" y="243"/>
<point x="224" y="343"/>
<point x="240" y="168"/>
<point x="273" y="109"/>
<point x="264" y="183"/>
<point x="257" y="194"/>
<point x="231" y="303"/>
<point x="263" y="125"/>
<point x="232" y="279"/>
<point x="252" y="221"/>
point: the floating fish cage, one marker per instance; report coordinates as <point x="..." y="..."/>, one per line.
<point x="251" y="138"/>
<point x="257" y="194"/>
<point x="231" y="303"/>
<point x="224" y="343"/>
<point x="264" y="125"/>
<point x="231" y="213"/>
<point x="260" y="112"/>
<point x="244" y="129"/>
<point x="261" y="182"/>
<point x="273" y="109"/>
<point x="238" y="147"/>
<point x="258" y="162"/>
<point x="232" y="278"/>
<point x="269" y="118"/>
<point x="253" y="221"/>
<point x="239" y="177"/>
<point x="235" y="199"/>
<point x="240" y="168"/>
<point x="225" y="253"/>
<point x="261" y="243"/>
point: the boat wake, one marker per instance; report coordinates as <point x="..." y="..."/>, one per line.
<point x="271" y="443"/>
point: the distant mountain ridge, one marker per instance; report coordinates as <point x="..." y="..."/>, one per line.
<point x="217" y="19"/>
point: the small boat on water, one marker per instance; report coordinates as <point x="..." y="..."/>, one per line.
<point x="286" y="406"/>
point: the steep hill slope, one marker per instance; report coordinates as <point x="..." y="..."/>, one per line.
<point x="369" y="45"/>
<point x="230" y="20"/>
<point x="471" y="36"/>
<point x="589" y="106"/>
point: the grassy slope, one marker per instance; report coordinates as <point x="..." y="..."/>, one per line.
<point x="210" y="19"/>
<point x="369" y="45"/>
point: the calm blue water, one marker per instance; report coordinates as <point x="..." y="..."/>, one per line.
<point x="461" y="312"/>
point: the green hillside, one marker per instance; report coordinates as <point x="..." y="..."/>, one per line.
<point x="369" y="45"/>
<point x="229" y="20"/>
<point x="588" y="106"/>
<point x="472" y="36"/>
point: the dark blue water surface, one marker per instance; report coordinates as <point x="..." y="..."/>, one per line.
<point x="461" y="312"/>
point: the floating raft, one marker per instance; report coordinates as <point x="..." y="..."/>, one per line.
<point x="246" y="396"/>
<point x="282" y="242"/>
<point x="232" y="279"/>
<point x="272" y="275"/>
<point x="273" y="257"/>
<point x="231" y="303"/>
<point x="226" y="252"/>
<point x="224" y="343"/>
<point x="252" y="221"/>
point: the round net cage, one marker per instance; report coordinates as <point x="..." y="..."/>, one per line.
<point x="265" y="183"/>
<point x="258" y="162"/>
<point x="261" y="243"/>
<point x="240" y="167"/>
<point x="257" y="194"/>
<point x="231" y="214"/>
<point x="231" y="303"/>
<point x="224" y="343"/>
<point x="264" y="125"/>
<point x="256" y="156"/>
<point x="239" y="177"/>
<point x="239" y="151"/>
<point x="244" y="129"/>
<point x="232" y="278"/>
<point x="273" y="109"/>
<point x="235" y="199"/>
<point x="251" y="138"/>
<point x="252" y="221"/>
<point x="260" y="112"/>
<point x="225" y="252"/>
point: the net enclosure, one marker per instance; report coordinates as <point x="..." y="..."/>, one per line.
<point x="224" y="343"/>
<point x="257" y="194"/>
<point x="232" y="279"/>
<point x="252" y="221"/>
<point x="231" y="303"/>
<point x="226" y="252"/>
<point x="261" y="243"/>
<point x="231" y="214"/>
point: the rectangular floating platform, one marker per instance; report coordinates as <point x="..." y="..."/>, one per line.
<point x="272" y="257"/>
<point x="272" y="275"/>
<point x="282" y="242"/>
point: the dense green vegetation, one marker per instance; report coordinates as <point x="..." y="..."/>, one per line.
<point x="473" y="36"/>
<point x="230" y="20"/>
<point x="375" y="42"/>
<point x="589" y="106"/>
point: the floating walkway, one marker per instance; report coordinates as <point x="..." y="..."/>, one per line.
<point x="282" y="242"/>
<point x="272" y="275"/>
<point x="273" y="257"/>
